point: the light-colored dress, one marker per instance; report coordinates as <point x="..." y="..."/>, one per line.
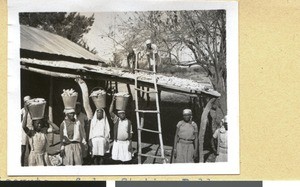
<point x="122" y="148"/>
<point x="99" y="135"/>
<point x="38" y="155"/>
<point x="185" y="145"/>
<point x="221" y="135"/>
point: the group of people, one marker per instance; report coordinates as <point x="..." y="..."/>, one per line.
<point x="80" y="138"/>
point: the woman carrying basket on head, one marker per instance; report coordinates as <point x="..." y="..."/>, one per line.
<point x="122" y="146"/>
<point x="38" y="137"/>
<point x="99" y="136"/>
<point x="71" y="132"/>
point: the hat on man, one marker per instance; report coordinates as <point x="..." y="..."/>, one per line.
<point x="187" y="112"/>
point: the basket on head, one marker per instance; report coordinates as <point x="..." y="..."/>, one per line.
<point x="69" y="98"/>
<point x="121" y="100"/>
<point x="98" y="96"/>
<point x="36" y="108"/>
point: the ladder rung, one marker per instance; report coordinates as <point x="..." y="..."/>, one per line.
<point x="149" y="130"/>
<point x="147" y="111"/>
<point x="146" y="155"/>
<point x="143" y="70"/>
<point x="145" y="90"/>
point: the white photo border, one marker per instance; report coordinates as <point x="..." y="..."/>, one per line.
<point x="14" y="134"/>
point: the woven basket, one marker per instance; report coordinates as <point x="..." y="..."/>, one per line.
<point x="99" y="100"/>
<point x="69" y="101"/>
<point x="37" y="109"/>
<point x="121" y="102"/>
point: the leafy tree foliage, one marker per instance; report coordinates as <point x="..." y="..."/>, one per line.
<point x="69" y="25"/>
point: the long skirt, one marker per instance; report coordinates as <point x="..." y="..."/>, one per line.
<point x="99" y="146"/>
<point x="185" y="152"/>
<point x="73" y="154"/>
<point x="38" y="159"/>
<point x="222" y="157"/>
<point x="121" y="151"/>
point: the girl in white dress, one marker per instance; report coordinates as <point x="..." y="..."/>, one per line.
<point x="99" y="136"/>
<point x="122" y="146"/>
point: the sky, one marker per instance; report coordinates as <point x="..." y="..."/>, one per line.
<point x="104" y="45"/>
<point x="95" y="38"/>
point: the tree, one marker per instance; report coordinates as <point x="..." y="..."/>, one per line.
<point x="203" y="32"/>
<point x="69" y="25"/>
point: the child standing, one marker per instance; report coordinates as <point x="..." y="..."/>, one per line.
<point x="186" y="139"/>
<point x="38" y="139"/>
<point x="99" y="136"/>
<point x="71" y="135"/>
<point x="220" y="136"/>
<point x="24" y="140"/>
<point x="122" y="146"/>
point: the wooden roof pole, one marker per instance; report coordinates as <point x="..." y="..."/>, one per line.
<point x="202" y="129"/>
<point x="85" y="97"/>
<point x="51" y="135"/>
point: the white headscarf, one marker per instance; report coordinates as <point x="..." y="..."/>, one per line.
<point x="95" y="129"/>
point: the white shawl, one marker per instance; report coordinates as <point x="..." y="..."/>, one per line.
<point x="99" y="128"/>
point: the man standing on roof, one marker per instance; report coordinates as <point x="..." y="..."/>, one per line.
<point x="152" y="55"/>
<point x="131" y="60"/>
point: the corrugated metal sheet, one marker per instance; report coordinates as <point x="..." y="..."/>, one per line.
<point x="42" y="41"/>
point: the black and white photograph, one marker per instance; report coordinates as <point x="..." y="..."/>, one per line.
<point x="145" y="89"/>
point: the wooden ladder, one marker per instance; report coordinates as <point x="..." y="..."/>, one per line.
<point x="140" y="114"/>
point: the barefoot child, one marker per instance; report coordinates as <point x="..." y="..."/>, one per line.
<point x="122" y="146"/>
<point x="38" y="139"/>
